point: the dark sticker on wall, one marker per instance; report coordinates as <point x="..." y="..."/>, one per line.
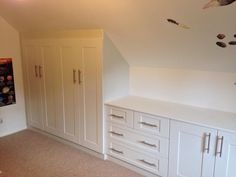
<point x="221" y="44"/>
<point x="221" y="36"/>
<point x="7" y="87"/>
<point x="177" y="23"/>
<point x="232" y="43"/>
<point x="218" y="3"/>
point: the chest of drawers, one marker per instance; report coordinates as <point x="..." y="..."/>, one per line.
<point x="138" y="139"/>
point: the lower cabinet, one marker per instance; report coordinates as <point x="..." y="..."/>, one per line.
<point x="197" y="151"/>
<point x="138" y="139"/>
<point x="225" y="155"/>
<point x="191" y="150"/>
<point x="169" y="148"/>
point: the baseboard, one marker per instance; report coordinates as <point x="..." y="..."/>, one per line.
<point x="13" y="132"/>
<point x="61" y="140"/>
<point x="131" y="167"/>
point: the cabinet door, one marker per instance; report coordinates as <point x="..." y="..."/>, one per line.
<point x="53" y="90"/>
<point x="191" y="150"/>
<point x="226" y="155"/>
<point x="35" y="102"/>
<point x="91" y="94"/>
<point x="70" y="56"/>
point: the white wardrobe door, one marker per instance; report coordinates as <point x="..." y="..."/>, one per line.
<point x="91" y="126"/>
<point x="53" y="90"/>
<point x="35" y="101"/>
<point x="187" y="155"/>
<point x="70" y="56"/>
<point x="226" y="155"/>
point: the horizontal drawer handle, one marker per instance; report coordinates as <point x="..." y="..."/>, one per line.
<point x="119" y="152"/>
<point x="116" y="116"/>
<point x="144" y="142"/>
<point x="147" y="163"/>
<point x="148" y="124"/>
<point x="118" y="134"/>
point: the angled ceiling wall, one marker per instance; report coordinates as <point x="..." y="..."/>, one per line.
<point x="139" y="28"/>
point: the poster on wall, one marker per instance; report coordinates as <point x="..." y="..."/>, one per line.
<point x="7" y="87"/>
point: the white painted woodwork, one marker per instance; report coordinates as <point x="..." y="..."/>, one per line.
<point x="226" y="162"/>
<point x="70" y="56"/>
<point x="91" y="95"/>
<point x="204" y="117"/>
<point x="188" y="157"/>
<point x="35" y="109"/>
<point x="151" y="124"/>
<point x="149" y="162"/>
<point x="141" y="147"/>
<point x="53" y="89"/>
<point x="120" y="116"/>
<point x="155" y="145"/>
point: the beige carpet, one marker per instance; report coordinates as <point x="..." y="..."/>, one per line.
<point x="30" y="154"/>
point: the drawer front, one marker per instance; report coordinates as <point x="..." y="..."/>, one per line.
<point x="151" y="124"/>
<point x="152" y="144"/>
<point x="120" y="116"/>
<point x="145" y="161"/>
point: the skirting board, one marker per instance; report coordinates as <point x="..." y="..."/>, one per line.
<point x="91" y="152"/>
<point x="131" y="167"/>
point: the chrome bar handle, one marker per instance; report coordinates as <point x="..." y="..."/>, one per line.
<point x="117" y="151"/>
<point x="221" y="142"/>
<point x="40" y="71"/>
<point x="79" y="76"/>
<point x="207" y="143"/>
<point x="74" y="79"/>
<point x="148" y="144"/>
<point x="36" y="70"/>
<point x="118" y="134"/>
<point x="148" y="124"/>
<point x="147" y="163"/>
<point x="116" y="116"/>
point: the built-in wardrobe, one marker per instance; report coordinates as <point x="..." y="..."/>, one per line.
<point x="68" y="77"/>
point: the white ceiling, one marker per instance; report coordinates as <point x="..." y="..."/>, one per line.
<point x="139" y="28"/>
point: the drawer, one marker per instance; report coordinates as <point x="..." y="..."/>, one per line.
<point x="152" y="144"/>
<point x="145" y="161"/>
<point x="151" y="124"/>
<point x="120" y="116"/>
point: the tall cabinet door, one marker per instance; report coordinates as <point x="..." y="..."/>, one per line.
<point x="226" y="155"/>
<point x="70" y="56"/>
<point x="35" y="94"/>
<point x="191" y="150"/>
<point x="53" y="90"/>
<point x="91" y="95"/>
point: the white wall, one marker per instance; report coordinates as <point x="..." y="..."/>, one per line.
<point x="115" y="72"/>
<point x="215" y="90"/>
<point x="13" y="116"/>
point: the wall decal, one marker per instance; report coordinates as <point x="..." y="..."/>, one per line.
<point x="177" y="23"/>
<point x="232" y="43"/>
<point x="7" y="87"/>
<point x="221" y="36"/>
<point x="221" y="44"/>
<point x="217" y="3"/>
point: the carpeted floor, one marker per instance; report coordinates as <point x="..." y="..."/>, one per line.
<point x="30" y="154"/>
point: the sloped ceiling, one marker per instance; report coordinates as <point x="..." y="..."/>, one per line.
<point x="139" y="28"/>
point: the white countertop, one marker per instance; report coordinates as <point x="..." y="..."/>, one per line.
<point x="200" y="116"/>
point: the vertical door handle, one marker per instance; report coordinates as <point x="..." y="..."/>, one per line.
<point x="74" y="79"/>
<point x="40" y="71"/>
<point x="207" y="143"/>
<point x="219" y="144"/>
<point x="79" y="76"/>
<point x="36" y="70"/>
